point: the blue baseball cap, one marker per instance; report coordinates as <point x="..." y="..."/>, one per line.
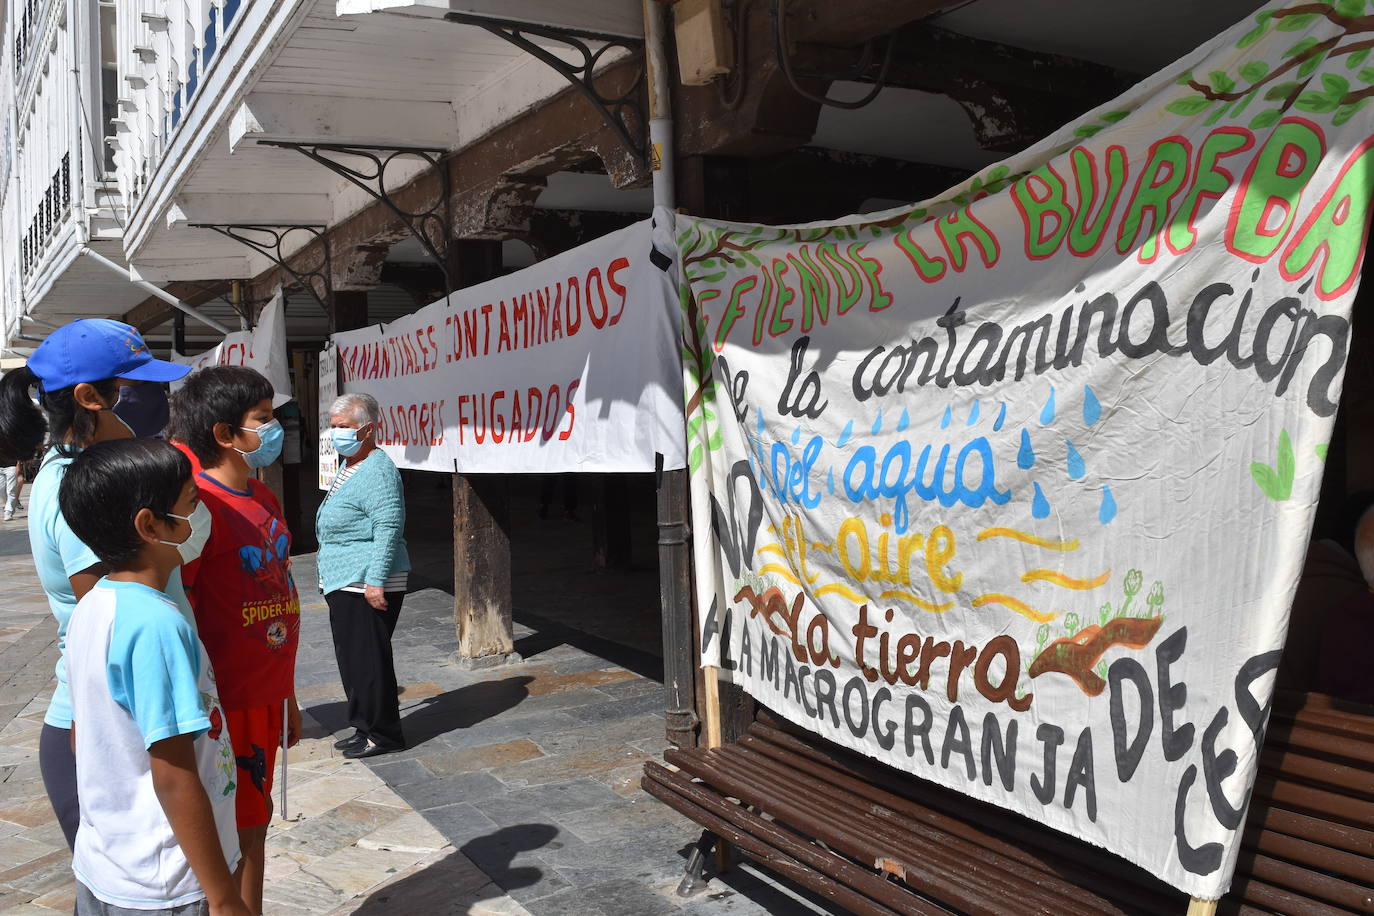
<point x="93" y="349"/>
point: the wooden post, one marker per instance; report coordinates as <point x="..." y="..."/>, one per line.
<point x="482" y="605"/>
<point x="481" y="570"/>
<point x="1199" y="907"/>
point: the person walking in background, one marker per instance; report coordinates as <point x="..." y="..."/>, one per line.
<point x="13" y="481"/>
<point x="245" y="601"/>
<point x="77" y="370"/>
<point x="154" y="768"/>
<point x="363" y="565"/>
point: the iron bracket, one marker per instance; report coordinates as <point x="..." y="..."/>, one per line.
<point x="269" y="240"/>
<point x="429" y="226"/>
<point x="614" y="110"/>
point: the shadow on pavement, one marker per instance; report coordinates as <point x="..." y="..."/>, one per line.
<point x="441" y="887"/>
<point x="433" y="716"/>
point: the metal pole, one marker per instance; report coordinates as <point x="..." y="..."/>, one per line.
<point x="162" y="294"/>
<point x="674" y="546"/>
<point x="660" y="105"/>
<point x="675" y="591"/>
<point x="283" y="757"/>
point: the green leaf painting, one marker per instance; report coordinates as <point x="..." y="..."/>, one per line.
<point x="1276" y="481"/>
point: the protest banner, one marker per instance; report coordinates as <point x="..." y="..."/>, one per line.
<point x="568" y="365"/>
<point x="329" y="390"/>
<point x="1011" y="489"/>
<point x="263" y="348"/>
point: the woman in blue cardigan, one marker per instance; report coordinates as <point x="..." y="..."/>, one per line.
<point x="363" y="565"/>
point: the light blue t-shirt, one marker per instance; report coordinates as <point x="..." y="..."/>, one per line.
<point x="58" y="555"/>
<point x="153" y="667"/>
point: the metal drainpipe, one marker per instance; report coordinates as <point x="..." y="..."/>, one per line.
<point x="674" y="531"/>
<point x="154" y="290"/>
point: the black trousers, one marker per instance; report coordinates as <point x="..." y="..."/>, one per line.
<point x="57" y="763"/>
<point x="362" y="648"/>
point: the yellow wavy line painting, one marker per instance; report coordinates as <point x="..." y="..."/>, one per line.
<point x="1026" y="538"/>
<point x="1058" y="578"/>
<point x="1015" y="604"/>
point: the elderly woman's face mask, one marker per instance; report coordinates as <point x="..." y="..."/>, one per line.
<point x="347" y="442"/>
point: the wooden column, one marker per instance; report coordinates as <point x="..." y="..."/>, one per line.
<point x="481" y="569"/>
<point x="482" y="602"/>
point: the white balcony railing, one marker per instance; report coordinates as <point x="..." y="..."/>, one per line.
<point x="167" y="50"/>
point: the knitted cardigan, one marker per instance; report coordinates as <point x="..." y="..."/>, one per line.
<point x="361" y="528"/>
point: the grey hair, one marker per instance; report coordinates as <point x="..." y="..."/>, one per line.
<point x="362" y="408"/>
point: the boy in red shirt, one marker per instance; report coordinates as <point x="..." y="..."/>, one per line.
<point x="240" y="588"/>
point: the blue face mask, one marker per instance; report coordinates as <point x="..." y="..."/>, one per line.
<point x="346" y="441"/>
<point x="270" y="435"/>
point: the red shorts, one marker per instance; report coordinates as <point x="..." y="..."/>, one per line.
<point x="255" y="735"/>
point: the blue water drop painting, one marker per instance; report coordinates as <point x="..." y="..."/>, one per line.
<point x="1040" y="506"/>
<point x="796" y="435"/>
<point x="973" y="415"/>
<point x="760" y="423"/>
<point x="1025" y="457"/>
<point x="830" y="482"/>
<point x="1108" y="510"/>
<point x="1047" y="412"/>
<point x="844" y="436"/>
<point x="904" y="422"/>
<point x="1001" y="418"/>
<point x="1076" y="467"/>
<point x="944" y="421"/>
<point x="878" y="423"/>
<point x="1092" y="408"/>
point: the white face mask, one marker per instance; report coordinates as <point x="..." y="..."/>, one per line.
<point x="199" y="520"/>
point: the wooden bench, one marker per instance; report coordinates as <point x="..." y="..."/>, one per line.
<point x="875" y="840"/>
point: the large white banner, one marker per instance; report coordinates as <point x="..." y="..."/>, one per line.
<point x="263" y="348"/>
<point x="1011" y="489"/>
<point x="569" y="365"/>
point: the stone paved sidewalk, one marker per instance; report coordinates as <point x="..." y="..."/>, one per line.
<point x="518" y="792"/>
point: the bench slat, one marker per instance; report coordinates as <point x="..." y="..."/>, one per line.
<point x="1329" y="805"/>
<point x="720" y="770"/>
<point x="702" y="807"/>
<point x="1313" y="829"/>
<point x="1278" y="900"/>
<point x="1314" y="855"/>
<point x="1314" y="886"/>
<point x="1018" y="883"/>
<point x="996" y="829"/>
<point x="1290" y="764"/>
<point x="1065" y="874"/>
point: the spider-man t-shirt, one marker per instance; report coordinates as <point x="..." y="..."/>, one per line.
<point x="246" y="605"/>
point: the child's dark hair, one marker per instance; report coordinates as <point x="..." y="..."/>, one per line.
<point x="23" y="426"/>
<point x="107" y="484"/>
<point x="219" y="394"/>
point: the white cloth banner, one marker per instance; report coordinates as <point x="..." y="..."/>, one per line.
<point x="569" y="365"/>
<point x="329" y="390"/>
<point x="1011" y="489"/>
<point x="263" y="349"/>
